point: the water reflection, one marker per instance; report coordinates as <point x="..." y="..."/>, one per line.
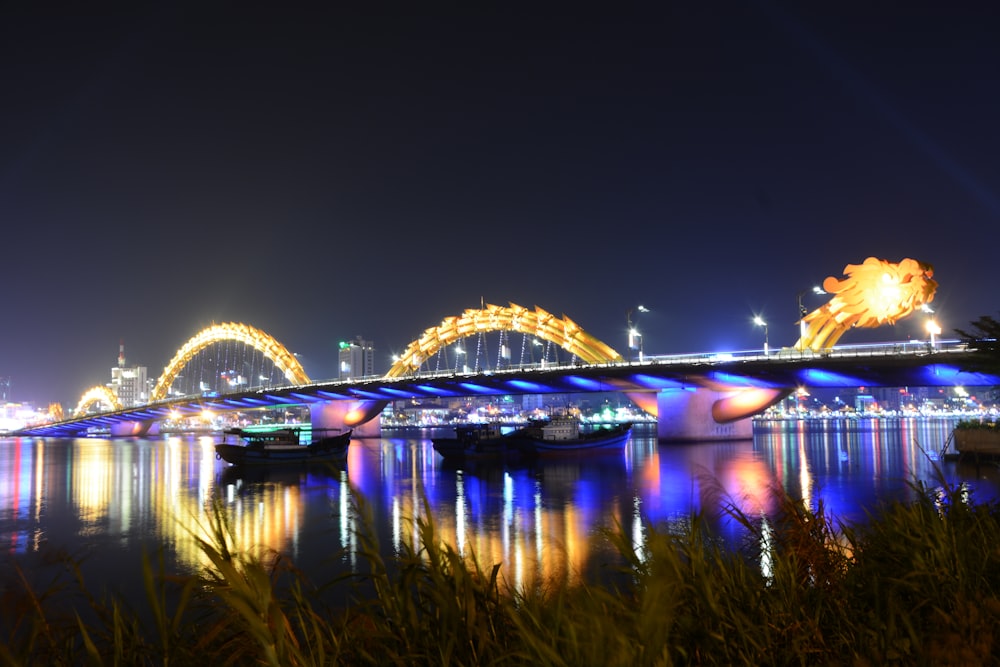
<point x="855" y="464"/>
<point x="114" y="498"/>
<point x="538" y="520"/>
<point x="272" y="509"/>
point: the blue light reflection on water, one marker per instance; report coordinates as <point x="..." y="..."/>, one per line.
<point x="111" y="499"/>
<point x="854" y="465"/>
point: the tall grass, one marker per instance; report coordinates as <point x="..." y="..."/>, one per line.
<point x="914" y="584"/>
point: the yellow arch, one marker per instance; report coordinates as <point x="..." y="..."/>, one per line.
<point x="242" y="333"/>
<point x="97" y="394"/>
<point x="564" y="332"/>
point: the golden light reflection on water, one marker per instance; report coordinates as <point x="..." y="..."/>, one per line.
<point x="161" y="489"/>
<point x="91" y="482"/>
<point x="543" y="525"/>
<point x="534" y="543"/>
<point x="539" y="525"/>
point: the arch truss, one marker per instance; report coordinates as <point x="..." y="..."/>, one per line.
<point x="282" y="359"/>
<point x="562" y="332"/>
<point x="97" y="395"/>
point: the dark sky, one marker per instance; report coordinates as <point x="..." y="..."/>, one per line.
<point x="322" y="175"/>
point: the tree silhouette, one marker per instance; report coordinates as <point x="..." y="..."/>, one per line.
<point x="985" y="339"/>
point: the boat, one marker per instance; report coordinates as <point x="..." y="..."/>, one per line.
<point x="476" y="442"/>
<point x="281" y="446"/>
<point x="562" y="435"/>
<point x="556" y="436"/>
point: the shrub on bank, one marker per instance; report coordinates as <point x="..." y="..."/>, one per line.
<point x="914" y="584"/>
<point x="976" y="424"/>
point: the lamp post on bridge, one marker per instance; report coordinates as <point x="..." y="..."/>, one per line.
<point x="759" y="321"/>
<point x="633" y="333"/>
<point x="931" y="325"/>
<point x="933" y="329"/>
<point x="537" y="343"/>
<point x="802" y="309"/>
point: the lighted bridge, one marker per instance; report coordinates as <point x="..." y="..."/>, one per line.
<point x="699" y="396"/>
<point x="692" y="396"/>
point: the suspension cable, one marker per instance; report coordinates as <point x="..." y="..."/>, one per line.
<point x="501" y="348"/>
<point x="479" y="348"/>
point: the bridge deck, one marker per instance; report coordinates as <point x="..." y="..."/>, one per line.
<point x="889" y="365"/>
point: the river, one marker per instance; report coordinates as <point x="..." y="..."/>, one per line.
<point x="106" y="502"/>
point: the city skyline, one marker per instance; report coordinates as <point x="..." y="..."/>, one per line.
<point x="351" y="172"/>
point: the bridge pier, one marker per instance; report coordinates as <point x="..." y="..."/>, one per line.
<point x="134" y="429"/>
<point x="340" y="415"/>
<point x="685" y="415"/>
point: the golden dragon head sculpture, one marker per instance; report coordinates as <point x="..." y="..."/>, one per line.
<point x="873" y="293"/>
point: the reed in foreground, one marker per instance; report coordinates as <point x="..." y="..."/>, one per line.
<point x="916" y="584"/>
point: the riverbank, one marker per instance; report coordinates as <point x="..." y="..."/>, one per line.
<point x="978" y="438"/>
<point x="916" y="584"/>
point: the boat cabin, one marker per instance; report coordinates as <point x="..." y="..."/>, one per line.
<point x="260" y="439"/>
<point x="561" y="428"/>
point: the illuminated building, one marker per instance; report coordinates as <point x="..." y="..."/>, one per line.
<point x="129" y="384"/>
<point x="356" y="359"/>
<point x="864" y="403"/>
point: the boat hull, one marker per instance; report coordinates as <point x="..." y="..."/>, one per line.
<point x="597" y="442"/>
<point x="332" y="449"/>
<point x="476" y="442"/>
<point x="457" y="449"/>
<point x="531" y="442"/>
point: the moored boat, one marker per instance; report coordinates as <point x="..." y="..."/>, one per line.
<point x="476" y="442"/>
<point x="281" y="446"/>
<point x="562" y="435"/>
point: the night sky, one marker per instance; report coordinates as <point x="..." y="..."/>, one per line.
<point x="364" y="172"/>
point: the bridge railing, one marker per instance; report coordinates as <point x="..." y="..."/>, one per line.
<point x="896" y="348"/>
<point x="899" y="348"/>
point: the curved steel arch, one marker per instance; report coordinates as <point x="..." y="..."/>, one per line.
<point x="236" y="331"/>
<point x="98" y="394"/>
<point x="564" y="332"/>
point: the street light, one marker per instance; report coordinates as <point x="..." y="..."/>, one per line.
<point x="632" y="332"/>
<point x="802" y="309"/>
<point x="537" y="343"/>
<point x="759" y="321"/>
<point x="634" y="342"/>
<point x="933" y="329"/>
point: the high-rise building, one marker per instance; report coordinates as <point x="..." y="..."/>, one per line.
<point x="129" y="384"/>
<point x="356" y="359"/>
<point x="4" y="389"/>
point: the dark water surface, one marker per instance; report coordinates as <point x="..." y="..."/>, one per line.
<point x="109" y="501"/>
